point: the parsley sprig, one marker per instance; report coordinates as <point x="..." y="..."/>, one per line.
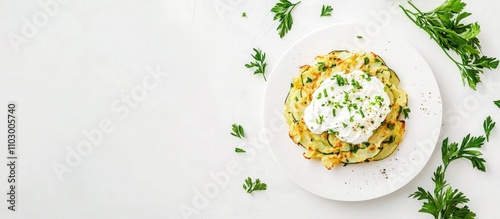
<point x="283" y="12"/>
<point x="445" y="27"/>
<point x="488" y="125"/>
<point x="238" y="131"/>
<point x="259" y="64"/>
<point x="445" y="202"/>
<point x="467" y="150"/>
<point x="326" y="10"/>
<point x="250" y="186"/>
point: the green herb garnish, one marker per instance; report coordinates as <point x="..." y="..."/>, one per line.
<point x="445" y="202"/>
<point x="366" y="61"/>
<point x="406" y="112"/>
<point x="326" y="10"/>
<point x="250" y="186"/>
<point x="354" y="148"/>
<point x="320" y="119"/>
<point x="488" y="125"/>
<point x="497" y="102"/>
<point x="341" y="81"/>
<point x="362" y="113"/>
<point x="321" y="66"/>
<point x="330" y="131"/>
<point x="259" y="63"/>
<point x="364" y="145"/>
<point x="356" y="84"/>
<point x="239" y="150"/>
<point x="366" y="76"/>
<point x="238" y="131"/>
<point x="283" y="13"/>
<point x="346" y="96"/>
<point x="390" y="126"/>
<point x="444" y="25"/>
<point x="244" y="14"/>
<point x="379" y="100"/>
<point x="337" y="105"/>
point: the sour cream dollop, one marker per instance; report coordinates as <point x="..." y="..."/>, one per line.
<point x="351" y="106"/>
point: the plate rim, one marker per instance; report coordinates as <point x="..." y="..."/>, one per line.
<point x="273" y="74"/>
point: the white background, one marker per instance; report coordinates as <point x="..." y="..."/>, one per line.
<point x="67" y="77"/>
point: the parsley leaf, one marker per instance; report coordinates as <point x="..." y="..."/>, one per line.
<point x="488" y="125"/>
<point x="445" y="27"/>
<point x="467" y="150"/>
<point x="250" y="186"/>
<point x="260" y="63"/>
<point x="497" y="102"/>
<point x="238" y="131"/>
<point x="243" y="14"/>
<point x="239" y="150"/>
<point x="283" y="13"/>
<point x="326" y="10"/>
<point x="406" y="112"/>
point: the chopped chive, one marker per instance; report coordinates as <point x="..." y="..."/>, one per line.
<point x="354" y="148"/>
<point x="321" y="66"/>
<point x="361" y="112"/>
<point x="379" y="100"/>
<point x="320" y="120"/>
<point x="356" y="84"/>
<point x="364" y="145"/>
<point x="390" y="126"/>
<point x="340" y="80"/>
<point x="367" y="76"/>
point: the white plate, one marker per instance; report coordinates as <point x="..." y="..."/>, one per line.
<point x="367" y="180"/>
